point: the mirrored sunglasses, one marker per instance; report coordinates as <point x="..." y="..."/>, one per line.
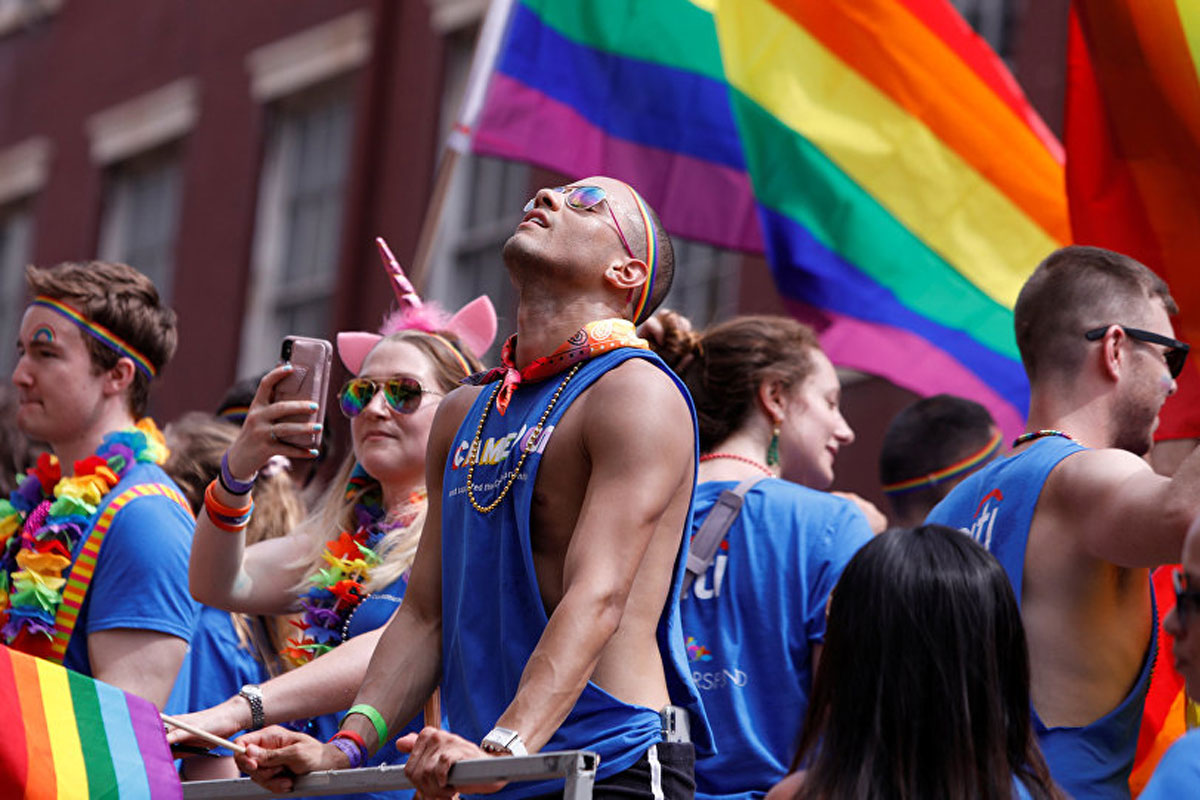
<point x="402" y="394"/>
<point x="1175" y="355"/>
<point x="585" y="198"/>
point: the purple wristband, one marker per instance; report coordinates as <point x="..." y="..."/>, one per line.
<point x="232" y="484"/>
<point x="352" y="749"/>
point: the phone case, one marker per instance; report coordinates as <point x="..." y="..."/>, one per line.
<point x="311" y="360"/>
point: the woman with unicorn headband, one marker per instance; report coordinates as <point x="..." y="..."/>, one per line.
<point x="344" y="568"/>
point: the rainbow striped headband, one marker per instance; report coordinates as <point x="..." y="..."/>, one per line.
<point x="965" y="465"/>
<point x="651" y="254"/>
<point x="99" y="333"/>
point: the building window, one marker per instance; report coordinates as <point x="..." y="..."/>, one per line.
<point x="141" y="215"/>
<point x="705" y="288"/>
<point x="991" y="19"/>
<point x="16" y="242"/>
<point x="298" y="227"/>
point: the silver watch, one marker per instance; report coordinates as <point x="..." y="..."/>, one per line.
<point x="254" y="697"/>
<point x="502" y="741"/>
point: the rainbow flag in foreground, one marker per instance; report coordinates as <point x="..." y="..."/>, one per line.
<point x="67" y="736"/>
<point x="1133" y="139"/>
<point x="876" y="150"/>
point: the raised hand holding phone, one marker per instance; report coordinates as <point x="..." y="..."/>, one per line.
<point x="285" y="416"/>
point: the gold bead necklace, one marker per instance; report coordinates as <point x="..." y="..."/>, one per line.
<point x="530" y="444"/>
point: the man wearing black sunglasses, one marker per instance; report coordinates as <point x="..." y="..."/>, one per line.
<point x="544" y="594"/>
<point x="1074" y="513"/>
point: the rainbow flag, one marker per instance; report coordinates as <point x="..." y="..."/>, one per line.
<point x="1133" y="139"/>
<point x="876" y="151"/>
<point x="70" y="736"/>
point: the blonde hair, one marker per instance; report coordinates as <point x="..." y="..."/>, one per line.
<point x="335" y="509"/>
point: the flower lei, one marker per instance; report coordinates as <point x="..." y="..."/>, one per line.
<point x="43" y="521"/>
<point x="339" y="588"/>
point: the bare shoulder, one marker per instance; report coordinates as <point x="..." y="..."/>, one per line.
<point x="453" y="410"/>
<point x="1098" y="473"/>
<point x="636" y="406"/>
<point x="638" y="381"/>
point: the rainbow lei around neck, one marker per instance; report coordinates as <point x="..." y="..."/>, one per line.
<point x="43" y="521"/>
<point x="339" y="589"/>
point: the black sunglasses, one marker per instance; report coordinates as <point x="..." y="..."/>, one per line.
<point x="402" y="394"/>
<point x="1187" y="601"/>
<point x="1175" y="355"/>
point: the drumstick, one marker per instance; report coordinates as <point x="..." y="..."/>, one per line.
<point x="205" y="735"/>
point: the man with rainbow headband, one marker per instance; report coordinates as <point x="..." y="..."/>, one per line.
<point x="544" y="595"/>
<point x="93" y="570"/>
<point x="1076" y="516"/>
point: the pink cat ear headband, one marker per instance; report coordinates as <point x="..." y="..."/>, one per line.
<point x="474" y="324"/>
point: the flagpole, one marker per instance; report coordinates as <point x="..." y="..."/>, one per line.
<point x="458" y="143"/>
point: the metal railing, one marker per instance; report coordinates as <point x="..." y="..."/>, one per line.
<point x="577" y="766"/>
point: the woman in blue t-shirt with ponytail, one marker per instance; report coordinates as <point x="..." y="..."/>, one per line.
<point x="753" y="605"/>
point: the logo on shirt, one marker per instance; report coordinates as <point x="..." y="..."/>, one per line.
<point x="697" y="651"/>
<point x="495" y="449"/>
<point x="708" y="585"/>
<point x="985" y="518"/>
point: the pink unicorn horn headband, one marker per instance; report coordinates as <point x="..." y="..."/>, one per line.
<point x="474" y="324"/>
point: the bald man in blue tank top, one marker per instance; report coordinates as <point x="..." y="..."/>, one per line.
<point x="1074" y="513"/>
<point x="544" y="594"/>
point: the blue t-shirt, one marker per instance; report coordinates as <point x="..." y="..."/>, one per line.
<point x="141" y="576"/>
<point x="752" y="619"/>
<point x="492" y="611"/>
<point x="1178" y="773"/>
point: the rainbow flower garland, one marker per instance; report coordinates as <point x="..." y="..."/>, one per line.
<point x="43" y="521"/>
<point x="339" y="588"/>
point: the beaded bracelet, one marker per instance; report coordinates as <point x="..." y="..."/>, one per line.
<point x="353" y="750"/>
<point x="225" y="517"/>
<point x="369" y="711"/>
<point x="232" y="484"/>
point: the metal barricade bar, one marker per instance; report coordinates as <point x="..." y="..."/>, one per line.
<point x="577" y="766"/>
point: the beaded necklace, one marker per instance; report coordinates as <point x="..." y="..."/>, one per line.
<point x="1032" y="435"/>
<point x="530" y="445"/>
<point x="43" y="521"/>
<point x="735" y="457"/>
<point x="339" y="589"/>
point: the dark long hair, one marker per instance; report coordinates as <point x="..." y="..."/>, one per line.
<point x="923" y="686"/>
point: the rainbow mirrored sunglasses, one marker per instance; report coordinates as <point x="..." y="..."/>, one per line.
<point x="401" y="393"/>
<point x="586" y="198"/>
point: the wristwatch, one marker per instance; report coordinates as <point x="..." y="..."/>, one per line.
<point x="254" y="697"/>
<point x="502" y="741"/>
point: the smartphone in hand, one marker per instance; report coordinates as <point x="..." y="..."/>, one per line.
<point x="312" y="362"/>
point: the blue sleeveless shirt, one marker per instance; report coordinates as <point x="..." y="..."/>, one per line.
<point x="995" y="506"/>
<point x="492" y="612"/>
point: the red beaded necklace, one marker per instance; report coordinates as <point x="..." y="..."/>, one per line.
<point x="735" y="457"/>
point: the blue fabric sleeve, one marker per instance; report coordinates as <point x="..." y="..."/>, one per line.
<point x="141" y="578"/>
<point x="846" y="531"/>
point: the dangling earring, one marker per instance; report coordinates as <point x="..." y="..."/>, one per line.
<point x="773" y="448"/>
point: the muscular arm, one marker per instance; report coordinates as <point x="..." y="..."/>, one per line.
<point x="1131" y="516"/>
<point x="638" y="437"/>
<point x="142" y="662"/>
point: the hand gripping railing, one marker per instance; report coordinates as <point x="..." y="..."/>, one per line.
<point x="577" y="766"/>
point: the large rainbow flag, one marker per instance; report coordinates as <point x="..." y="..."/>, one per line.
<point x="69" y="736"/>
<point x="1133" y="179"/>
<point x="1133" y="137"/>
<point x="876" y="150"/>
